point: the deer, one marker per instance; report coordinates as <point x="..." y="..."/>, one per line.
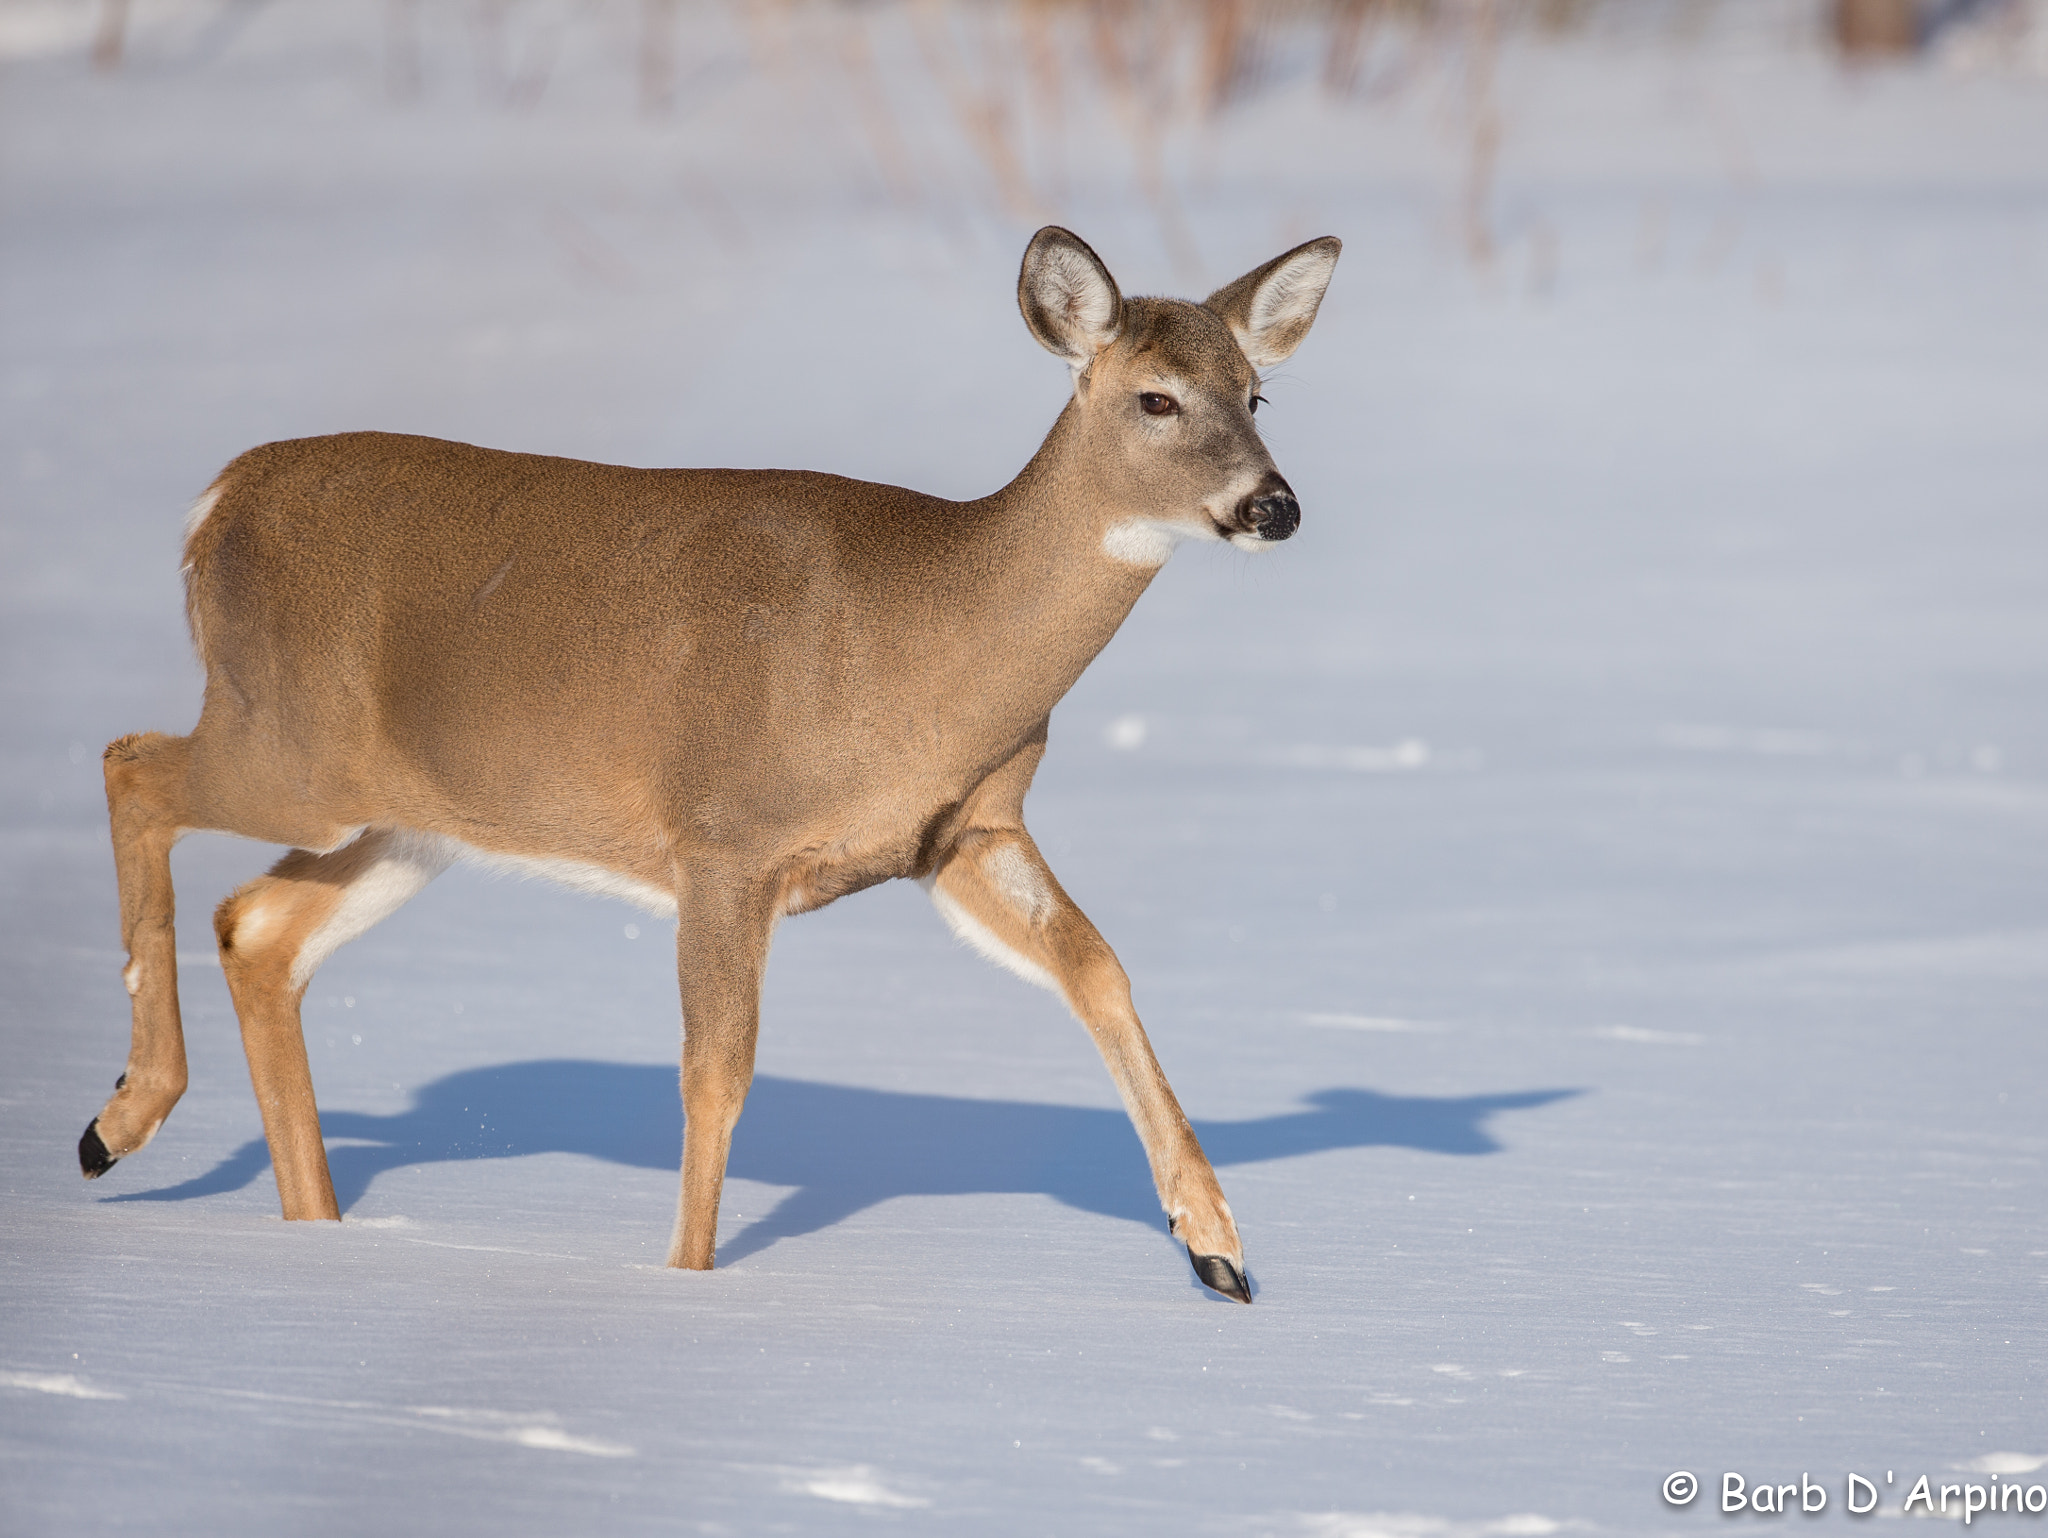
<point x="727" y="696"/>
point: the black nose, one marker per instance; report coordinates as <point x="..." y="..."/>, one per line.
<point x="1271" y="512"/>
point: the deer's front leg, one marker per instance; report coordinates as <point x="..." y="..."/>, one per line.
<point x="998" y="894"/>
<point x="721" y="951"/>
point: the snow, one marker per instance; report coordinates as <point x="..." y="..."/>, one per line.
<point x="1586" y="889"/>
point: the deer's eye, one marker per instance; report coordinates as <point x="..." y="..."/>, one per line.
<point x="1257" y="401"/>
<point x="1157" y="405"/>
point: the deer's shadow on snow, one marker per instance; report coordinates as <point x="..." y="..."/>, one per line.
<point x="843" y="1149"/>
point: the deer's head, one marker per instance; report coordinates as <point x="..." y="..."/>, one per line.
<point x="1165" y="391"/>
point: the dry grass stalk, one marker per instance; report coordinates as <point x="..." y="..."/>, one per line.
<point x="657" y="55"/>
<point x="1359" y="30"/>
<point x="871" y="99"/>
<point x="1043" y="65"/>
<point x="1876" y="28"/>
<point x="110" y="40"/>
<point x="1224" y="46"/>
<point x="500" y="76"/>
<point x="1133" y="47"/>
<point x="404" y="77"/>
<point x="769" y="24"/>
<point x="1352" y="25"/>
<point x="1482" y="50"/>
<point x="982" y="107"/>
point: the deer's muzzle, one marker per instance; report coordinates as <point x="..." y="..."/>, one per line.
<point x="1271" y="511"/>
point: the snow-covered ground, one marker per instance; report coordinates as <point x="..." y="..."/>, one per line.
<point x="1590" y="889"/>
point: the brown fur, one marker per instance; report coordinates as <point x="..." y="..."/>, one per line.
<point x="756" y="690"/>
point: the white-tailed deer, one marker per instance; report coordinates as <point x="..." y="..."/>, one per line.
<point x="726" y="695"/>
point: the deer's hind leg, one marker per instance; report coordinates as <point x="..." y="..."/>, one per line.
<point x="158" y="788"/>
<point x="274" y="933"/>
<point x="147" y="779"/>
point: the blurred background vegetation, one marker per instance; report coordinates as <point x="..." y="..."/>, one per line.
<point x="1007" y="104"/>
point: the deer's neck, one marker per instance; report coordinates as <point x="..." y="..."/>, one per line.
<point x="1061" y="528"/>
<point x="1049" y="595"/>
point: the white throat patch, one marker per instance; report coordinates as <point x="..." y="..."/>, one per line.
<point x="1143" y="541"/>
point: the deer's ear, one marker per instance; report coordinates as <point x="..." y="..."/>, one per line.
<point x="1069" y="300"/>
<point x="1270" y="308"/>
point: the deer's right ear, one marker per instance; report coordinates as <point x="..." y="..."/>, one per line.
<point x="1069" y="300"/>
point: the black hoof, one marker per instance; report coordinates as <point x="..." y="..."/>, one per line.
<point x="1217" y="1273"/>
<point x="93" y="1157"/>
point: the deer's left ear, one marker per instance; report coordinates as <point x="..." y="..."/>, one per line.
<point x="1270" y="308"/>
